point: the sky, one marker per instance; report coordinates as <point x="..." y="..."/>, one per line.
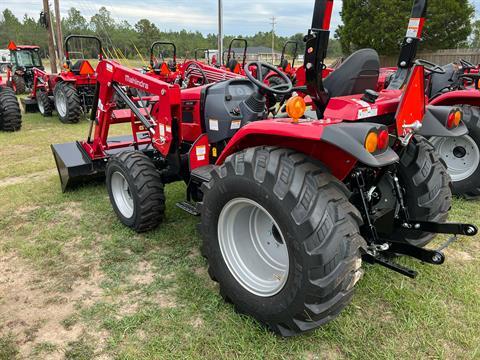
<point x="241" y="17"/>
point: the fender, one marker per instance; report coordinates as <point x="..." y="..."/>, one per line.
<point x="434" y="123"/>
<point x="458" y="97"/>
<point x="338" y="146"/>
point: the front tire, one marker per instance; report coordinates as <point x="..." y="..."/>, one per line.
<point x="44" y="104"/>
<point x="136" y="191"/>
<point x="462" y="155"/>
<point x="10" y="113"/>
<point x="67" y="103"/>
<point x="281" y="239"/>
<point x="426" y="185"/>
<point x="19" y="84"/>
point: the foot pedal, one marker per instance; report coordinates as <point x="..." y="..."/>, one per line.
<point x="188" y="207"/>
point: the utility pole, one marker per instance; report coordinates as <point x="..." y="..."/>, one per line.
<point x="274" y="22"/>
<point x="58" y="20"/>
<point x="220" y="32"/>
<point x="51" y="36"/>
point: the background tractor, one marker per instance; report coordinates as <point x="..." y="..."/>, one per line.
<point x="71" y="92"/>
<point x="289" y="206"/>
<point x="20" y="72"/>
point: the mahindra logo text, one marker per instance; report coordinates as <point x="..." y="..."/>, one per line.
<point x="136" y="82"/>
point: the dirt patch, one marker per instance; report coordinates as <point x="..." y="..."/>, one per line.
<point x="73" y="210"/>
<point x="144" y="274"/>
<point x="458" y="255"/>
<point x="15" y="180"/>
<point x="35" y="315"/>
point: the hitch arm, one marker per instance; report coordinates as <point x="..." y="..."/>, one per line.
<point x="439" y="228"/>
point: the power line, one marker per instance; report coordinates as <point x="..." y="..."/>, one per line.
<point x="273" y="23"/>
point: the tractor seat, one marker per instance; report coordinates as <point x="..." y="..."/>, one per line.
<point x="172" y="65"/>
<point x="232" y="65"/>
<point x="284" y="64"/>
<point x="75" y="68"/>
<point x="359" y="72"/>
<point x="441" y="82"/>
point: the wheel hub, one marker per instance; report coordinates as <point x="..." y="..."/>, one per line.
<point x="122" y="195"/>
<point x="461" y="155"/>
<point x="253" y="247"/>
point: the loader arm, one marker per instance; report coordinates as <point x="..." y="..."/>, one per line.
<point x="410" y="43"/>
<point x="156" y="121"/>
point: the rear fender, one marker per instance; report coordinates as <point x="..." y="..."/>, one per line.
<point x="459" y="97"/>
<point x="435" y="120"/>
<point x="337" y="146"/>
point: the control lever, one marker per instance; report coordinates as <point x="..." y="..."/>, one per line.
<point x="414" y="127"/>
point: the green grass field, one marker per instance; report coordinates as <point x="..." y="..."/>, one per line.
<point x="76" y="284"/>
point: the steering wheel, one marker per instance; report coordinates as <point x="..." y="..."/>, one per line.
<point x="195" y="69"/>
<point x="467" y="64"/>
<point x="282" y="89"/>
<point x="430" y="67"/>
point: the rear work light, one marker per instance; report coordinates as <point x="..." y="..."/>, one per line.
<point x="454" y="119"/>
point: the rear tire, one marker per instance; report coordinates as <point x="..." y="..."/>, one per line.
<point x="44" y="104"/>
<point x="313" y="219"/>
<point x="20" y="86"/>
<point x="67" y="103"/>
<point x="462" y="155"/>
<point x="427" y="189"/>
<point x="136" y="191"/>
<point x="10" y="114"/>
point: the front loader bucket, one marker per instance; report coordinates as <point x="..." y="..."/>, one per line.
<point x="74" y="165"/>
<point x="29" y="105"/>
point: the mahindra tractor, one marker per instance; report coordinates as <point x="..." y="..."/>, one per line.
<point x="457" y="85"/>
<point x="289" y="207"/>
<point x="10" y="114"/>
<point x="20" y="72"/>
<point x="160" y="68"/>
<point x="71" y="92"/>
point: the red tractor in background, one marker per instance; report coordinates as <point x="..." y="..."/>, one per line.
<point x="10" y="114"/>
<point x="71" y="92"/>
<point x="168" y="71"/>
<point x="20" y="72"/>
<point x="289" y="206"/>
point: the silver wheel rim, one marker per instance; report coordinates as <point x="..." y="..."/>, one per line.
<point x="253" y="247"/>
<point x="121" y="194"/>
<point x="461" y="154"/>
<point x="61" y="104"/>
<point x="41" y="106"/>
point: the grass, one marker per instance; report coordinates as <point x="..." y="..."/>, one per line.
<point x="99" y="290"/>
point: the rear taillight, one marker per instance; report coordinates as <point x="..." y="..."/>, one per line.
<point x="383" y="139"/>
<point x="371" y="142"/>
<point x="454" y="119"/>
<point x="377" y="141"/>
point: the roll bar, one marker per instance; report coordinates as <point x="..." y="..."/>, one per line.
<point x="204" y="51"/>
<point x="295" y="51"/>
<point x="157" y="43"/>
<point x="229" y="57"/>
<point x="89" y="37"/>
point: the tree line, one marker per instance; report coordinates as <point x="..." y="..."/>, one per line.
<point x="379" y="24"/>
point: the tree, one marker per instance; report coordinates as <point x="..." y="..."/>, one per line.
<point x="74" y="23"/>
<point x="381" y="24"/>
<point x="476" y="34"/>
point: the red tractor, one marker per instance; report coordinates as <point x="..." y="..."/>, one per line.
<point x="71" y="92"/>
<point x="10" y="114"/>
<point x="160" y="68"/>
<point x="20" y="72"/>
<point x="289" y="206"/>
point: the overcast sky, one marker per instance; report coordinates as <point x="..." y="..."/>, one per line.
<point x="244" y="17"/>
